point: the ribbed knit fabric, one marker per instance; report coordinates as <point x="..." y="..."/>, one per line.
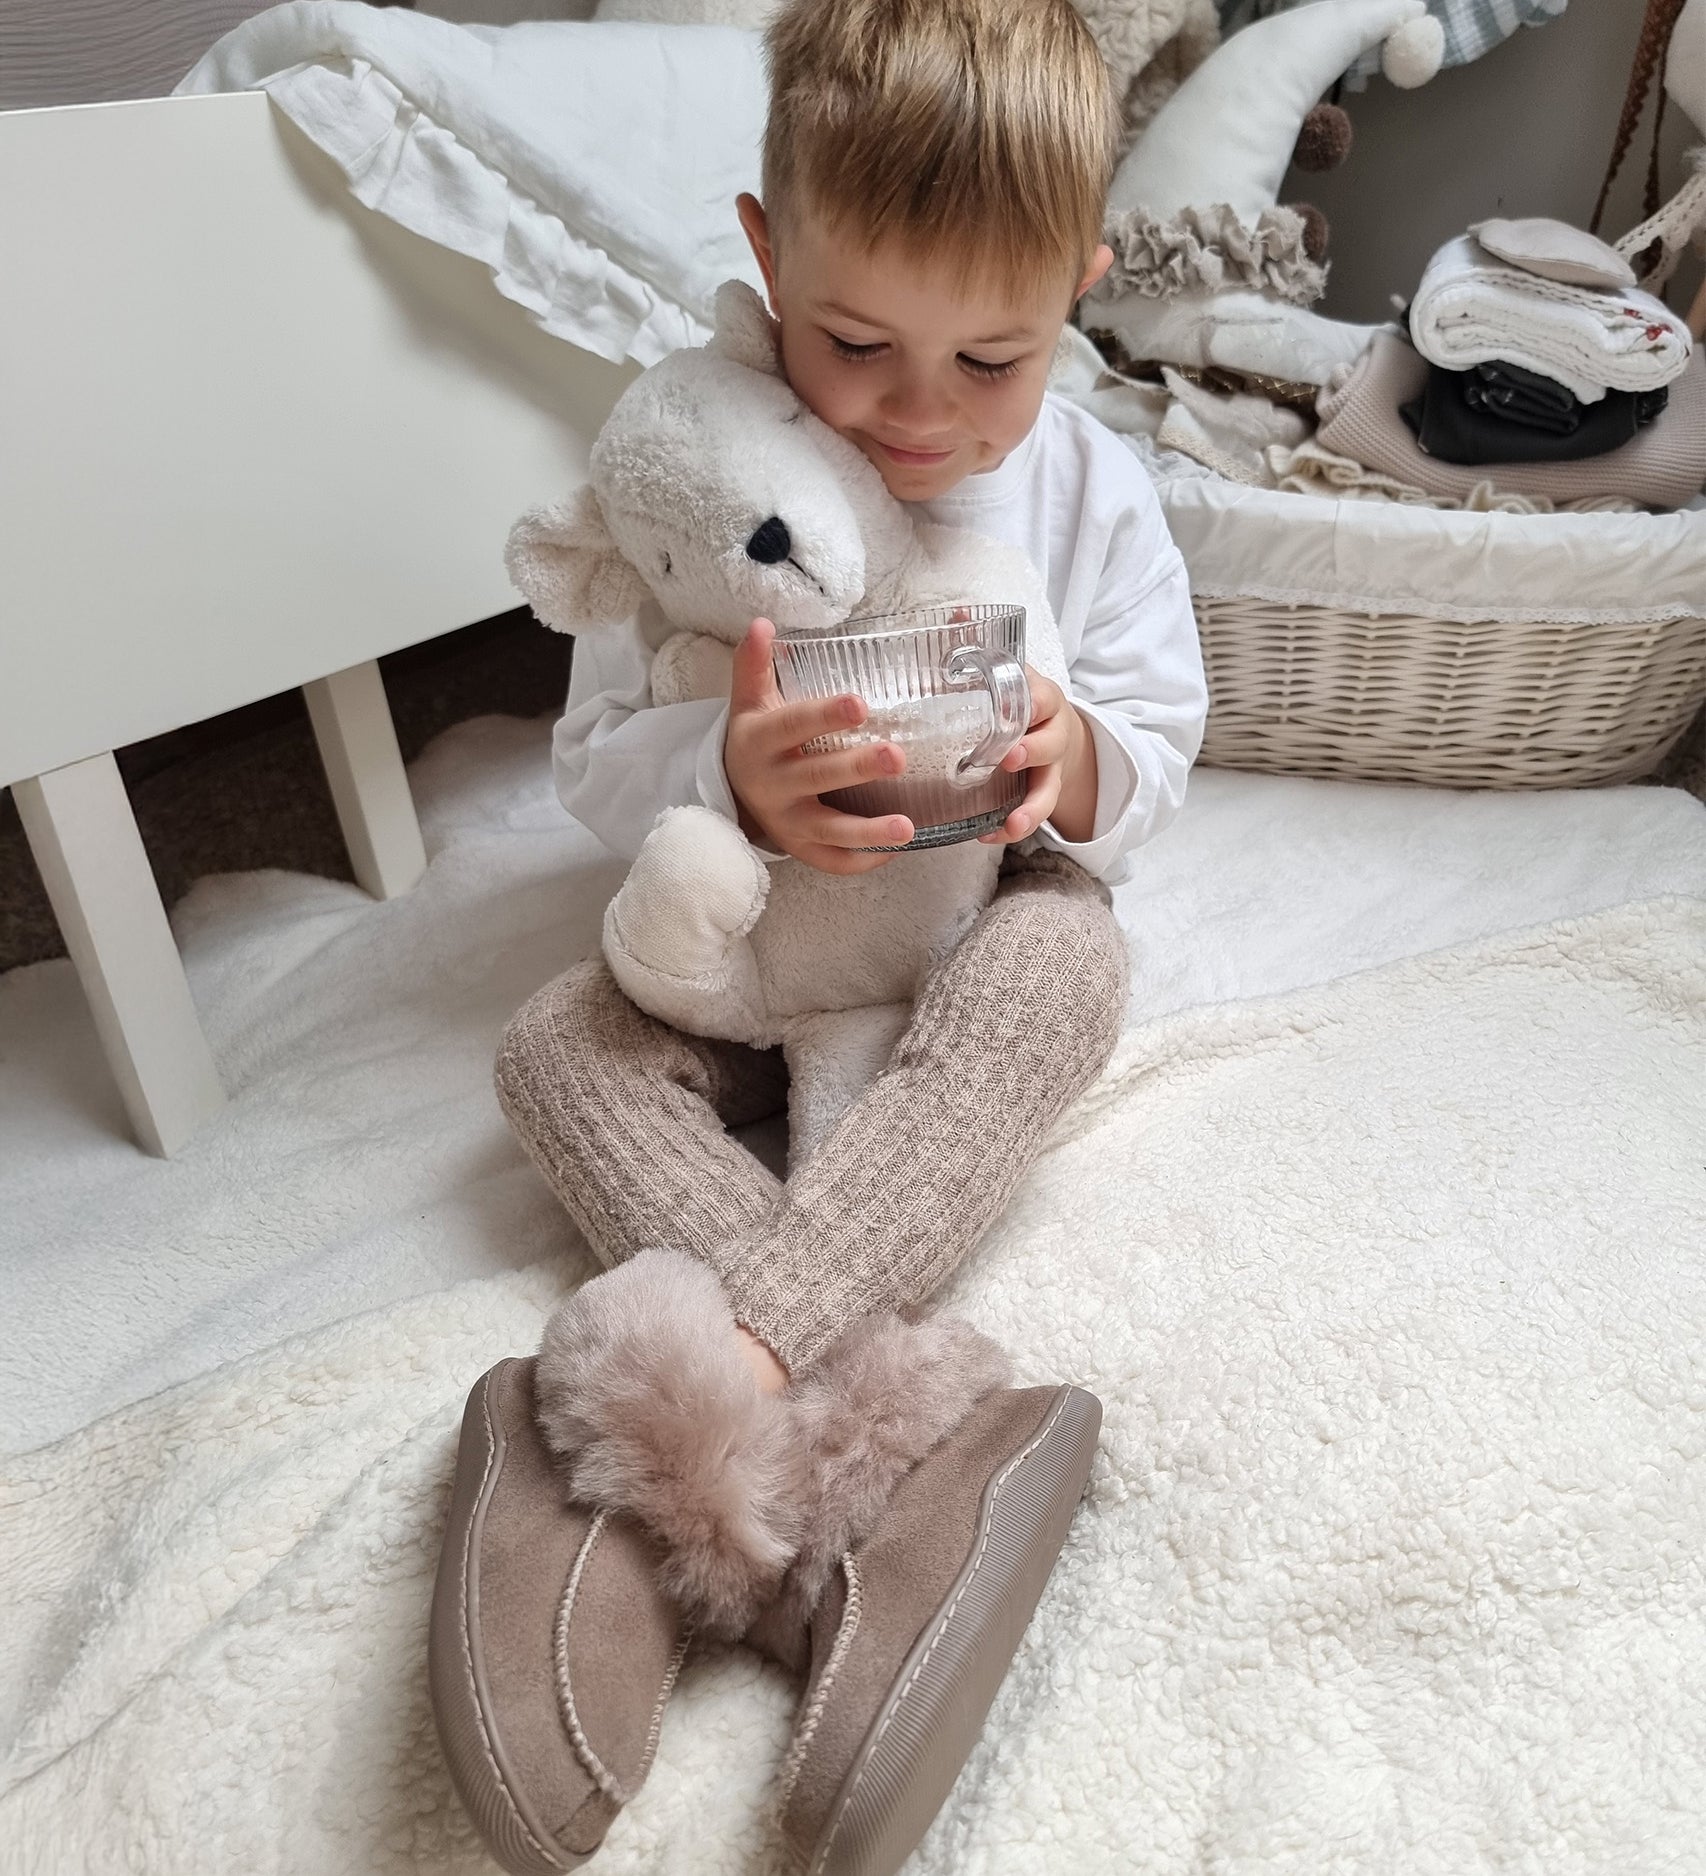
<point x="625" y="1117"/>
<point x="1664" y="464"/>
<point x="1008" y="1032"/>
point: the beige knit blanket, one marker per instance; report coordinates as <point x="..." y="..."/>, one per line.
<point x="1394" y="1559"/>
<point x="1663" y="464"/>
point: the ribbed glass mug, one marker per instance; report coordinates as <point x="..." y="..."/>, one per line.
<point x="947" y="685"/>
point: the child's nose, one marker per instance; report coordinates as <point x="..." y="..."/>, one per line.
<point x="918" y="407"/>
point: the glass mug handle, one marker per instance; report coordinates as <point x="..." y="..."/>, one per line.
<point x="1003" y="676"/>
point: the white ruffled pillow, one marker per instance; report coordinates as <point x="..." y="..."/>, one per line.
<point x="593" y="167"/>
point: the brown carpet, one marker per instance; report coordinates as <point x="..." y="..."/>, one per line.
<point x="246" y="790"/>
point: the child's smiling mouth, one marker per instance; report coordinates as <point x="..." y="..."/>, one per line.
<point x="914" y="458"/>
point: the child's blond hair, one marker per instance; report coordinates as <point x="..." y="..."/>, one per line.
<point x="979" y="134"/>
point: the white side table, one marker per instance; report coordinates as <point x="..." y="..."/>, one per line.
<point x="255" y="437"/>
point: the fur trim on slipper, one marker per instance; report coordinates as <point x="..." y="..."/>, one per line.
<point x="643" y="1390"/>
<point x="881" y="1397"/>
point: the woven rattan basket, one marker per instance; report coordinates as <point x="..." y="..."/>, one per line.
<point x="1309" y="690"/>
<point x="1369" y="641"/>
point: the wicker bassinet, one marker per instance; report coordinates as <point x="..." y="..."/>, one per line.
<point x="1362" y="641"/>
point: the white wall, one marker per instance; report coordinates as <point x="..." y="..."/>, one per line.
<point x="1527" y="130"/>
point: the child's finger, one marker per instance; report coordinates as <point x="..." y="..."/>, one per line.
<point x="787" y="726"/>
<point x="753" y="683"/>
<point x="1037" y="805"/>
<point x="829" y="827"/>
<point x="841" y="860"/>
<point x="1044" y="743"/>
<point x="847" y="768"/>
<point x="1047" y="698"/>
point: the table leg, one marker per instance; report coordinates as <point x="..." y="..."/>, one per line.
<point x="84" y="839"/>
<point x="358" y="745"/>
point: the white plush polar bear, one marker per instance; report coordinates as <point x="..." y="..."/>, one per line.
<point x="715" y="492"/>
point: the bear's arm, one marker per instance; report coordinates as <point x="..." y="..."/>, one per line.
<point x="691" y="667"/>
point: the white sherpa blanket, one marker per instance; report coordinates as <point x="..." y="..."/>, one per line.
<point x="1395" y="1554"/>
<point x="1471" y="308"/>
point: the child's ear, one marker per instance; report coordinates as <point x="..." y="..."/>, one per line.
<point x="564" y="563"/>
<point x="1100" y="262"/>
<point x="744" y="331"/>
<point x="755" y="225"/>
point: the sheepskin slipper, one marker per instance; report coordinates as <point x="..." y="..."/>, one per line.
<point x="882" y="1396"/>
<point x="645" y="1395"/>
<point x="551" y="1649"/>
<point x="913" y="1634"/>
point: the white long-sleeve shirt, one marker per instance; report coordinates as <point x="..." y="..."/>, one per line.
<point x="1077" y="504"/>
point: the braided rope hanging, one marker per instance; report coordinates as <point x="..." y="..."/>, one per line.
<point x="1650" y="50"/>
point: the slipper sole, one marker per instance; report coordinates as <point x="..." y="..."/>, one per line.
<point x="461" y="1700"/>
<point x="921" y="1738"/>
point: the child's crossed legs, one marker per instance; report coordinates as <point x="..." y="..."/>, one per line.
<point x="832" y="1525"/>
<point x="626" y="1118"/>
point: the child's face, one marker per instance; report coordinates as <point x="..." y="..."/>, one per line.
<point x="932" y="379"/>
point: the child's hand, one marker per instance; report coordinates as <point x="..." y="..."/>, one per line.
<point x="777" y="785"/>
<point x="1060" y="753"/>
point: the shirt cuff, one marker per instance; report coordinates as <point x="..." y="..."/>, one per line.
<point x="1117" y="781"/>
<point x="712" y="781"/>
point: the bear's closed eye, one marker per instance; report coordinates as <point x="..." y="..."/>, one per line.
<point x="664" y="569"/>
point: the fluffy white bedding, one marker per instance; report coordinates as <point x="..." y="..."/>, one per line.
<point x="362" y="1157"/>
<point x="1391" y="1286"/>
<point x="593" y="168"/>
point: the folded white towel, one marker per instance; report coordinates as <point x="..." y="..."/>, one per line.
<point x="1471" y="308"/>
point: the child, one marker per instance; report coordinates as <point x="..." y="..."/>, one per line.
<point x="934" y="176"/>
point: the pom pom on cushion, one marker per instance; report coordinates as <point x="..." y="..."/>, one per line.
<point x="1323" y="139"/>
<point x="1412" y="55"/>
<point x="1315" y="229"/>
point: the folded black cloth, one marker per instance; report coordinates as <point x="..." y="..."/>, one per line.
<point x="1522" y="396"/>
<point x="1500" y="413"/>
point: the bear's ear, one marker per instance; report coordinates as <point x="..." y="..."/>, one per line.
<point x="744" y="330"/>
<point x="564" y="563"/>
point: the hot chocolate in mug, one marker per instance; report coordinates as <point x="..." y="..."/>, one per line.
<point x="947" y="685"/>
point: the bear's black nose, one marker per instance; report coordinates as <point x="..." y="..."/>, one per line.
<point x="770" y="542"/>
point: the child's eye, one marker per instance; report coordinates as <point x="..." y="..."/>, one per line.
<point x="985" y="368"/>
<point x="843" y="349"/>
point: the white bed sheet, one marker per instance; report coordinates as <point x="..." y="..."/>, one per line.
<point x="362" y="1158"/>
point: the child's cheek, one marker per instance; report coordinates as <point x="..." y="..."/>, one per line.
<point x="1010" y="413"/>
<point x="818" y="382"/>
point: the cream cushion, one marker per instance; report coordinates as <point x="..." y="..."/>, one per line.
<point x="1555" y="251"/>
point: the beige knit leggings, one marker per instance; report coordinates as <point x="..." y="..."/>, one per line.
<point x="626" y="1117"/>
